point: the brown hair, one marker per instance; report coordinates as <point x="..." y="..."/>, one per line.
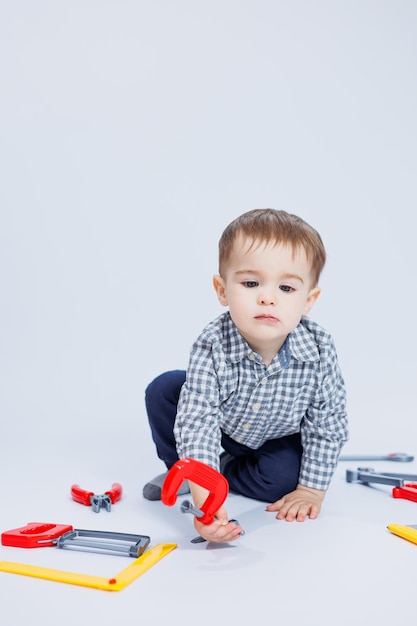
<point x="271" y="225"/>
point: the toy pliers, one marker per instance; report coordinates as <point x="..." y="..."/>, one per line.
<point x="97" y="501"/>
<point x="401" y="489"/>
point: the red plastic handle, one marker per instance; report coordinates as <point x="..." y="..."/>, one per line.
<point x="84" y="497"/>
<point x="408" y="492"/>
<point x="115" y="493"/>
<point x="34" y="535"/>
<point x="201" y="474"/>
<point x="81" y="496"/>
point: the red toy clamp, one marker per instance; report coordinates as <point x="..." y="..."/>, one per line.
<point x="201" y="474"/>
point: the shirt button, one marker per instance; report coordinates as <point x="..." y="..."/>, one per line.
<point x="247" y="425"/>
<point x="256" y="406"/>
<point x="264" y="381"/>
<point x="251" y="356"/>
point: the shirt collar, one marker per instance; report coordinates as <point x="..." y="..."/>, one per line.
<point x="303" y="345"/>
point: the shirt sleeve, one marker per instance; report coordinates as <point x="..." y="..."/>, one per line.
<point x="324" y="429"/>
<point x="197" y="424"/>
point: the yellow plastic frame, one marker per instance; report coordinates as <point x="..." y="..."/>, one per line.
<point x="116" y="583"/>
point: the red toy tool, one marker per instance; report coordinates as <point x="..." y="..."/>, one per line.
<point x="105" y="500"/>
<point x="401" y="489"/>
<point x="407" y="492"/>
<point x="41" y="535"/>
<point x="201" y="474"/>
<point x="400" y="457"/>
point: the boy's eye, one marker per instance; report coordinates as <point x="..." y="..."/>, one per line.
<point x="286" y="288"/>
<point x="250" y="283"/>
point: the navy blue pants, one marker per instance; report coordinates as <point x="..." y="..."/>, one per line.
<point x="264" y="474"/>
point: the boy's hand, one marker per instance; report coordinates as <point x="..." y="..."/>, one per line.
<point x="299" y="504"/>
<point x="219" y="531"/>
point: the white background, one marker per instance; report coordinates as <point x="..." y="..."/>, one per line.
<point x="131" y="133"/>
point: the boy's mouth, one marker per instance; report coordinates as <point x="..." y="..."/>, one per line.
<point x="266" y="318"/>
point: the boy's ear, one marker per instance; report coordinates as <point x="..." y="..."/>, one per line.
<point x="311" y="299"/>
<point x="220" y="289"/>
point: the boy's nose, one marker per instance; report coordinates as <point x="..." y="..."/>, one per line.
<point x="267" y="298"/>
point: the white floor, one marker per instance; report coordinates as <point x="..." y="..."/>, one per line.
<point x="343" y="568"/>
<point x="131" y="133"/>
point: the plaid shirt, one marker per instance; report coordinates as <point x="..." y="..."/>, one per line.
<point x="228" y="388"/>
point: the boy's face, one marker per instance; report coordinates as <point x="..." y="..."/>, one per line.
<point x="267" y="289"/>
